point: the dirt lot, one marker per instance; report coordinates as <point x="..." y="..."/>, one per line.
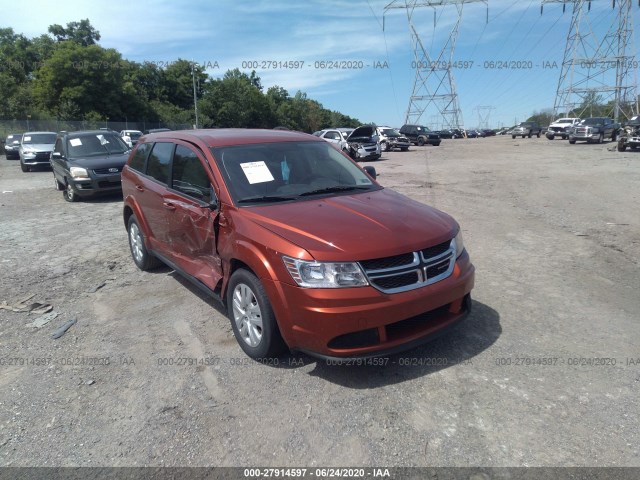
<point x="545" y="372"/>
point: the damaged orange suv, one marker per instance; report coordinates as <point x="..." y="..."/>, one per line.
<point x="302" y="246"/>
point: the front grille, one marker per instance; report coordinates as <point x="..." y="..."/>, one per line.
<point x="408" y="271"/>
<point x="582" y="131"/>
<point x="105" y="171"/>
<point x="43" y="155"/>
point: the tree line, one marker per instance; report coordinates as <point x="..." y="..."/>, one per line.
<point x="66" y="74"/>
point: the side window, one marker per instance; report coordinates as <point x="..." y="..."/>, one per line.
<point x="189" y="176"/>
<point x="140" y="157"/>
<point x="159" y="163"/>
<point x="58" y="146"/>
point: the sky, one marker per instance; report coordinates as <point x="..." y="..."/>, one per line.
<point x="298" y="45"/>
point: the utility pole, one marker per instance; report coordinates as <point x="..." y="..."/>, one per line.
<point x="434" y="88"/>
<point x="195" y="96"/>
<point x="595" y="68"/>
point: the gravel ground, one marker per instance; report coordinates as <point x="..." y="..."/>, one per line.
<point x="545" y="372"/>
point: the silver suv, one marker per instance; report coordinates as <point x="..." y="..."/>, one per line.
<point x="526" y="129"/>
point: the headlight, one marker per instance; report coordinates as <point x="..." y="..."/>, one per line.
<point x="459" y="244"/>
<point x="325" y="275"/>
<point x="28" y="150"/>
<point x="79" y="173"/>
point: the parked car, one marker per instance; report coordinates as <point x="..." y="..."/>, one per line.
<point x="594" y="129"/>
<point x="527" y="129"/>
<point x="88" y="163"/>
<point x="391" y="138"/>
<point x="561" y="127"/>
<point x="35" y="149"/>
<point x="158" y="130"/>
<point x="364" y="144"/>
<point x="333" y="136"/>
<point x="420" y="135"/>
<point x="489" y="132"/>
<point x="629" y="135"/>
<point x="278" y="226"/>
<point x="12" y="146"/>
<point x="130" y="137"/>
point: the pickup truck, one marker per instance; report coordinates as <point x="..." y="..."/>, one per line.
<point x="561" y="127"/>
<point x="594" y="129"/>
<point x="526" y="129"/>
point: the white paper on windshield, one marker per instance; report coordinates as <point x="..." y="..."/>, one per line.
<point x="75" y="142"/>
<point x="257" y="172"/>
<point x="26" y="139"/>
<point x="103" y="141"/>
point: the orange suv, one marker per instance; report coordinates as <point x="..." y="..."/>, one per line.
<point x="303" y="247"/>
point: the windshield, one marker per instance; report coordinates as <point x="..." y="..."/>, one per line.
<point x="593" y="121"/>
<point x="288" y="171"/>
<point x="96" y="145"/>
<point x="38" y="138"/>
<point x="565" y="120"/>
<point x="390" y="132"/>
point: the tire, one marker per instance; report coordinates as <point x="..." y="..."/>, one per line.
<point x="513" y="137"/>
<point x="404" y="149"/>
<point x="420" y="141"/>
<point x="572" y="142"/>
<point x="69" y="193"/>
<point x="601" y="138"/>
<point x="614" y="136"/>
<point x="386" y="147"/>
<point x="551" y="137"/>
<point x="252" y="319"/>
<point x="141" y="257"/>
<point x="621" y="146"/>
<point x="437" y="144"/>
<point x="56" y="184"/>
<point x="539" y="133"/>
<point x="23" y="167"/>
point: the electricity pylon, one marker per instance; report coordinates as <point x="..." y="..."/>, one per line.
<point x="597" y="69"/>
<point x="434" y="88"/>
<point x="483" y="115"/>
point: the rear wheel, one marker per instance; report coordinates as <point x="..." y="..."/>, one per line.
<point x="539" y="134"/>
<point x="621" y="146"/>
<point x="252" y="319"/>
<point x="56" y="184"/>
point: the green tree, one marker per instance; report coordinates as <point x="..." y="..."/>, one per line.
<point x="81" y="32"/>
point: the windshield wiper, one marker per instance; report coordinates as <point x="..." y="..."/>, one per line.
<point x="264" y="198"/>
<point x="337" y="188"/>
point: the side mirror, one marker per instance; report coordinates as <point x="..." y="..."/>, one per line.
<point x="57" y="155"/>
<point x="371" y="171"/>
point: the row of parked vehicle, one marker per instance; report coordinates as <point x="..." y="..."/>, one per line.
<point x="236" y="212"/>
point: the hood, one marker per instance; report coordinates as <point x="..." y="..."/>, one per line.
<point x="356" y="227"/>
<point x="100" y="162"/>
<point x="363" y="132"/>
<point x="39" y="147"/>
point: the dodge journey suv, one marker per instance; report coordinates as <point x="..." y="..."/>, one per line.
<point x="303" y="247"/>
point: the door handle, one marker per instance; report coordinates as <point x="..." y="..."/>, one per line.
<point x="139" y="188"/>
<point x="169" y="206"/>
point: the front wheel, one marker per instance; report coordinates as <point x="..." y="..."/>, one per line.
<point x="404" y="149"/>
<point x="420" y="141"/>
<point x="56" y="184"/>
<point x="572" y="142"/>
<point x="69" y="194"/>
<point x="621" y="146"/>
<point x="601" y="138"/>
<point x="141" y="256"/>
<point x="252" y="319"/>
<point x="539" y="134"/>
<point x="23" y="167"/>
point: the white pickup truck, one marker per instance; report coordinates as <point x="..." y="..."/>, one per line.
<point x="561" y="127"/>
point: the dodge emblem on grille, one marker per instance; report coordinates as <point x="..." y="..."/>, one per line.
<point x="113" y="170"/>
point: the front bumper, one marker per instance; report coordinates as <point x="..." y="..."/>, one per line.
<point x="33" y="159"/>
<point x="364" y="322"/>
<point x="103" y="184"/>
